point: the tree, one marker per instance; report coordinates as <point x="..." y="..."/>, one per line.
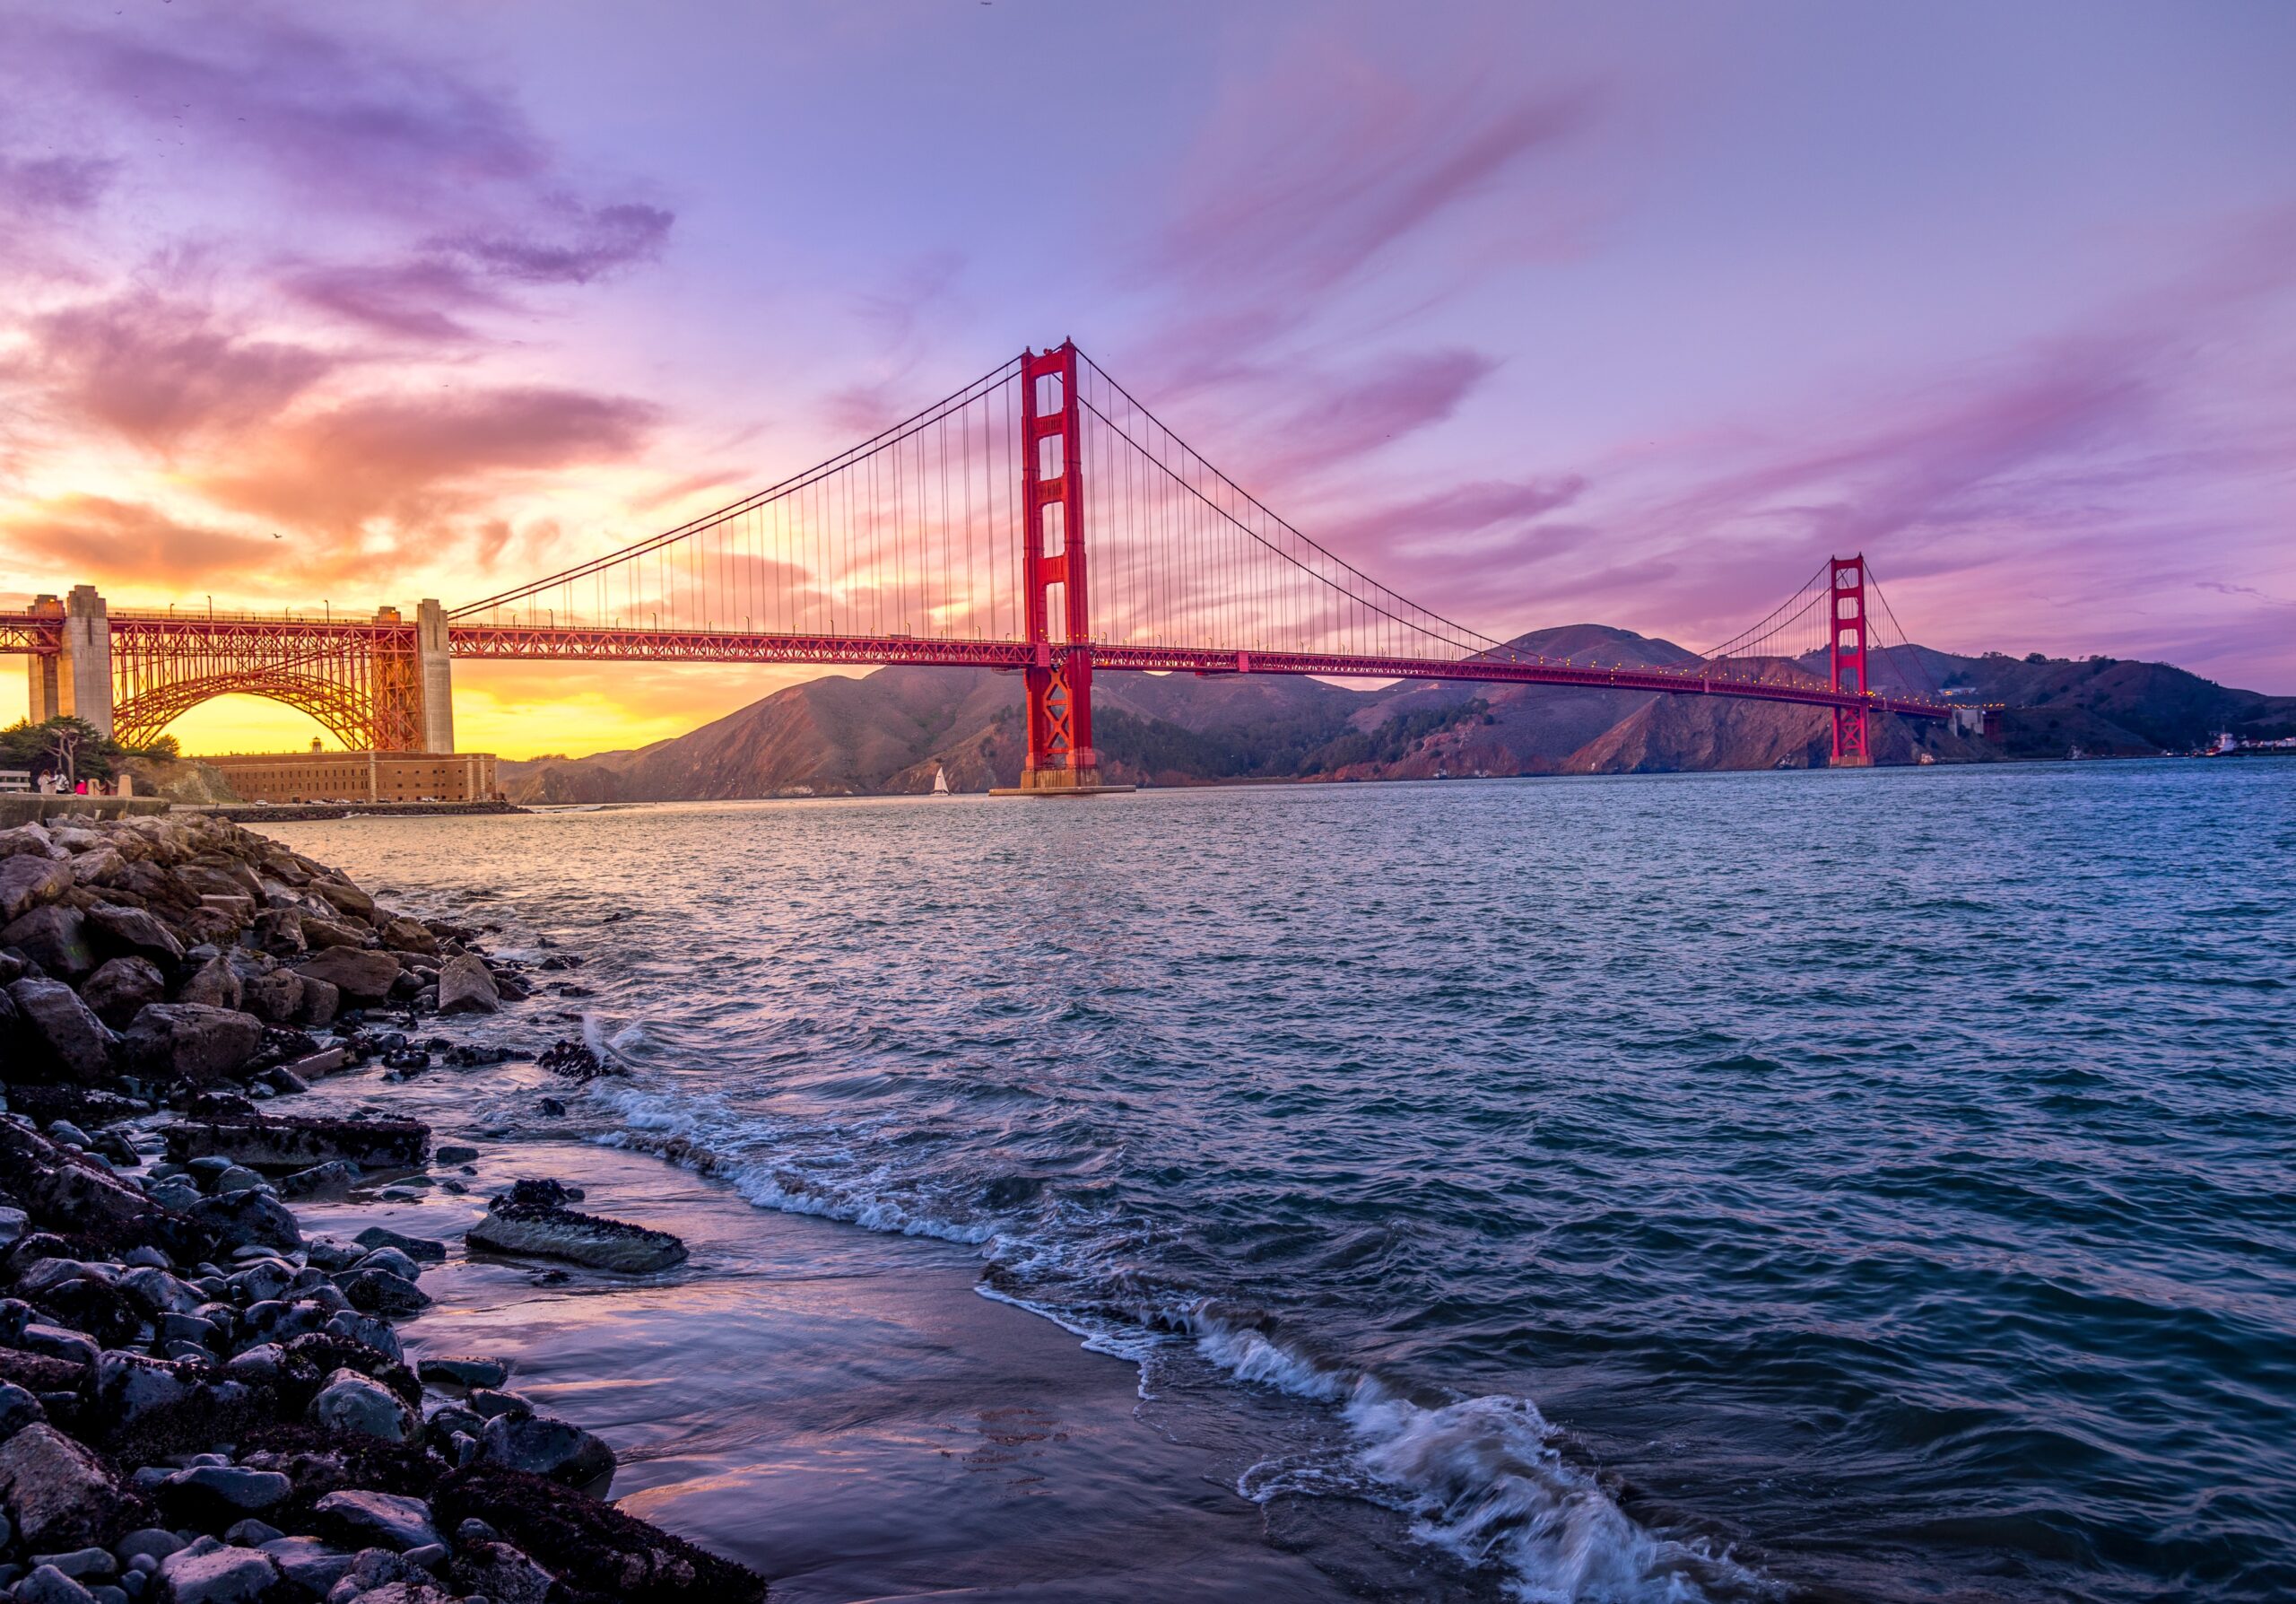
<point x="73" y="748"/>
<point x="66" y="738"/>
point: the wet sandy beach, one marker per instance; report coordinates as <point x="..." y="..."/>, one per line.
<point x="836" y="1407"/>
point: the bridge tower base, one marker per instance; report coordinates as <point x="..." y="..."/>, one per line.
<point x="42" y="670"/>
<point x="1853" y="729"/>
<point x="83" y="667"/>
<point x="436" y="671"/>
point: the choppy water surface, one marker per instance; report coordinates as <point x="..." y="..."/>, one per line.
<point x="1874" y="1185"/>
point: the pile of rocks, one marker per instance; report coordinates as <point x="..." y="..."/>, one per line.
<point x="197" y="1404"/>
<point x="163" y="955"/>
<point x="200" y="1405"/>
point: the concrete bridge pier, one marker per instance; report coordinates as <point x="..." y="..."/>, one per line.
<point x="41" y="670"/>
<point x="434" y="673"/>
<point x="83" y="670"/>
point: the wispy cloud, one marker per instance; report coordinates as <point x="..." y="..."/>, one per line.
<point x="390" y="145"/>
<point x="157" y="368"/>
<point x="1349" y="416"/>
<point x="1308" y="176"/>
<point x="576" y="246"/>
<point x="1304" y="180"/>
<point x="106" y="540"/>
<point x="424" y="299"/>
<point x="411" y="458"/>
<point x="1477" y="518"/>
<point x="338" y="122"/>
<point x="312" y="389"/>
<point x="2056" y="470"/>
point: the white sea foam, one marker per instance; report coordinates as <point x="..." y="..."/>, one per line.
<point x="1479" y="1476"/>
<point x="1249" y="1355"/>
<point x="1128" y="1342"/>
<point x="673" y="1128"/>
<point x="1487" y="1484"/>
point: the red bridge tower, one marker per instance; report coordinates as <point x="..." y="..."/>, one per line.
<point x="1846" y="663"/>
<point x="1053" y="581"/>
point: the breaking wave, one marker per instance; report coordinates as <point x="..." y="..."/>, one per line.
<point x="1480" y="1477"/>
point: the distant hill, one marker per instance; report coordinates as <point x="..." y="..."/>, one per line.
<point x="889" y="731"/>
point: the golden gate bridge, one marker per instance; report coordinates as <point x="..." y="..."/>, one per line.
<point x="1039" y="520"/>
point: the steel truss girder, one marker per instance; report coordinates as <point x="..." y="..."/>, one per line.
<point x="281" y="644"/>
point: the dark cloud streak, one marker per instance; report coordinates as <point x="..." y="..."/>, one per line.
<point x="54" y="184"/>
<point x="597" y="243"/>
<point x="414" y="300"/>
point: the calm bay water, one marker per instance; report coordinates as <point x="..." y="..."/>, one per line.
<point x="1873" y="1185"/>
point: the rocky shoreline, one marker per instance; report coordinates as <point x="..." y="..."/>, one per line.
<point x="199" y="1404"/>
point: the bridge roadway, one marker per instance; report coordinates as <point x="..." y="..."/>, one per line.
<point x="41" y="634"/>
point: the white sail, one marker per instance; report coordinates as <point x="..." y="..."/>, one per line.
<point x="940" y="781"/>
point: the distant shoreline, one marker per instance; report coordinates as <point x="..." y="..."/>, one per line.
<point x="280" y="812"/>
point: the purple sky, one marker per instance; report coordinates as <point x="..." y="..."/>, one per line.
<point x="1615" y="312"/>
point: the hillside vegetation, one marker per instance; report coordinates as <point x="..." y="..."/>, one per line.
<point x="889" y="731"/>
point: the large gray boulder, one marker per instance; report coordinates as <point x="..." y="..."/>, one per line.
<point x="29" y="838"/>
<point x="30" y="879"/>
<point x="464" y="986"/>
<point x="321" y="1001"/>
<point x="380" y="1292"/>
<point x="246" y="1219"/>
<point x="55" y="936"/>
<point x="66" y="1040"/>
<point x="313" y="1566"/>
<point x="159" y="1293"/>
<point x="392" y="1519"/>
<point x="554" y="1232"/>
<point x="226" y="1575"/>
<point x="138" y="1400"/>
<point x="352" y="1402"/>
<point x="229" y="1487"/>
<point x="122" y="989"/>
<point x="320" y="933"/>
<point x="190" y="1042"/>
<point x="48" y="1584"/>
<point x="545" y="1445"/>
<point x="64" y="1190"/>
<point x="18" y="1408"/>
<point x="404" y="935"/>
<point x="344" y="897"/>
<point x="99" y="865"/>
<point x="278" y="931"/>
<point x="365" y="976"/>
<point x="277" y="997"/>
<point x="214" y="984"/>
<point x="57" y="1494"/>
<point x="214" y="874"/>
<point x="133" y="931"/>
<point x="333" y="1178"/>
<point x="456" y="1374"/>
<point x="292" y="1142"/>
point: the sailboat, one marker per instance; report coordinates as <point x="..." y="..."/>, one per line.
<point x="940" y="780"/>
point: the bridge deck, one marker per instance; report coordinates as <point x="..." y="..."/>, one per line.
<point x="38" y="634"/>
